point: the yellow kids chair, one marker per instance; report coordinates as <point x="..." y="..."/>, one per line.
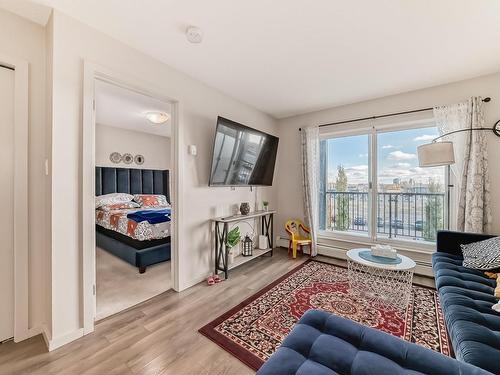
<point x="293" y="228"/>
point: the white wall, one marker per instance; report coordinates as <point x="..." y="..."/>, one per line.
<point x="154" y="148"/>
<point x="199" y="107"/>
<point x="289" y="188"/>
<point x="47" y="294"/>
<point x="26" y="40"/>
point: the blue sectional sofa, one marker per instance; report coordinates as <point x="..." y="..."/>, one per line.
<point x="466" y="298"/>
<point x="325" y="344"/>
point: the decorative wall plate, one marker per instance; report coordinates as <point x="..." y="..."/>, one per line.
<point x="115" y="157"/>
<point x="127" y="158"/>
<point x="139" y="159"/>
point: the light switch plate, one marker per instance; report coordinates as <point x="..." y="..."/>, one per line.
<point x="192" y="150"/>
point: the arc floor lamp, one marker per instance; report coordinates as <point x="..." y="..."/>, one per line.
<point x="436" y="154"/>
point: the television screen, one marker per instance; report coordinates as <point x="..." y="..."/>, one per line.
<point x="242" y="156"/>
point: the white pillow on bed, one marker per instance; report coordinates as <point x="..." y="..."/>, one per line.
<point x="106" y="199"/>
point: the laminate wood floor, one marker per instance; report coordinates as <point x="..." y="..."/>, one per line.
<point x="159" y="336"/>
<point x="121" y="286"/>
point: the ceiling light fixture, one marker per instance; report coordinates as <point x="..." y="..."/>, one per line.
<point x="157" y="117"/>
<point x="194" y="34"/>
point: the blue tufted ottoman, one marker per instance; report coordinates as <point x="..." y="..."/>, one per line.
<point x="325" y="344"/>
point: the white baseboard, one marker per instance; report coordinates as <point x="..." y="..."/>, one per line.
<point x="33" y="331"/>
<point x="46" y="335"/>
<point x="57" y="342"/>
<point x="423" y="267"/>
<point x="332" y="252"/>
<point x="282" y="242"/>
<point x="192" y="282"/>
<point x="26" y="334"/>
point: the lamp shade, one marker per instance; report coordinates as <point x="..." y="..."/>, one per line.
<point x="436" y="154"/>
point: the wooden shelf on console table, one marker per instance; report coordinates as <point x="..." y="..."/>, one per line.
<point x="240" y="259"/>
<point x="222" y="228"/>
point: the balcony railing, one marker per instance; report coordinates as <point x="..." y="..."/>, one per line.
<point x="416" y="216"/>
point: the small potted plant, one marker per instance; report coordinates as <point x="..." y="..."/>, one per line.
<point x="233" y="238"/>
<point x="265" y="204"/>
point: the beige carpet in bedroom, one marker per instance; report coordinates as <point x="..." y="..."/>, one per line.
<point x="120" y="285"/>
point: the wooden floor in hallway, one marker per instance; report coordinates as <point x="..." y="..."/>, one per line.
<point x="159" y="336"/>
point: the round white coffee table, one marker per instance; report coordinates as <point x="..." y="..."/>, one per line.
<point x="383" y="284"/>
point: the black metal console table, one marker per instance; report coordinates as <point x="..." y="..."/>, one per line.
<point x="266" y="219"/>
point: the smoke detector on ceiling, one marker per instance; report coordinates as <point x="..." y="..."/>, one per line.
<point x="194" y="34"/>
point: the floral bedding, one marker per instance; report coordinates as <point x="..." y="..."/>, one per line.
<point x="151" y="200"/>
<point x="117" y="220"/>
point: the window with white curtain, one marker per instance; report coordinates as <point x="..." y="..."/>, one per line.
<point x="373" y="187"/>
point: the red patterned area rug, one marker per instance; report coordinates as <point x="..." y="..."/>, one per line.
<point x="254" y="329"/>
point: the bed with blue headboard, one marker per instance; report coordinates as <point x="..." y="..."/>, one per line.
<point x="132" y="181"/>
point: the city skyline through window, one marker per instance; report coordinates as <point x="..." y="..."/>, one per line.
<point x="409" y="202"/>
<point x="397" y="157"/>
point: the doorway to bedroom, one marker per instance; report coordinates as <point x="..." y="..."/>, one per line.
<point x="133" y="171"/>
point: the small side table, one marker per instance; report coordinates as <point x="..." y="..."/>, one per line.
<point x="383" y="284"/>
<point x="221" y="230"/>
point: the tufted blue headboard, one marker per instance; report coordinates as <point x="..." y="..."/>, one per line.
<point x="133" y="181"/>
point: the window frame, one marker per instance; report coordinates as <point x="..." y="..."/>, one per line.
<point x="373" y="129"/>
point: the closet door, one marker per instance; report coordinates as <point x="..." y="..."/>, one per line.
<point x="7" y="197"/>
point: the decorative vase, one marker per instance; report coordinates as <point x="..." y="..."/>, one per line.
<point x="245" y="208"/>
<point x="230" y="256"/>
<point x="263" y="242"/>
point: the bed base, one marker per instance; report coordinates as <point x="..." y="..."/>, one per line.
<point x="140" y="258"/>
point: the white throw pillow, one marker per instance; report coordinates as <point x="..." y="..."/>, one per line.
<point x="104" y="200"/>
<point x="482" y="255"/>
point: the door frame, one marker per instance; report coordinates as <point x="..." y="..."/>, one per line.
<point x="92" y="72"/>
<point x="21" y="230"/>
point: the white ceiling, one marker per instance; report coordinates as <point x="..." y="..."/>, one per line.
<point x="286" y="57"/>
<point x="122" y="108"/>
<point x="35" y="12"/>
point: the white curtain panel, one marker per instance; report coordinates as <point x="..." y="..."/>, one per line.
<point x="310" y="181"/>
<point x="471" y="163"/>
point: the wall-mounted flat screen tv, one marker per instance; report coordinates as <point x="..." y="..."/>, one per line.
<point x="242" y="156"/>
